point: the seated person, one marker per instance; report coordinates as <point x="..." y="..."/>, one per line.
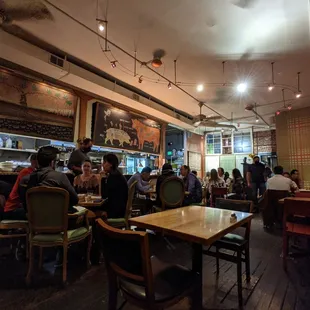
<point x="87" y="181"/>
<point x="221" y="172"/>
<point x="215" y="181"/>
<point x="5" y="189"/>
<point x="227" y="180"/>
<point x="116" y="188"/>
<point x="287" y="175"/>
<point x="142" y="179"/>
<point x="279" y="182"/>
<point x="13" y="209"/>
<point x="47" y="176"/>
<point x="238" y="185"/>
<point x="192" y="185"/>
<point x="295" y="178"/>
<point x="166" y="172"/>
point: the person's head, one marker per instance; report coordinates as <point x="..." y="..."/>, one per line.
<point x="194" y="172"/>
<point x="184" y="170"/>
<point x="220" y="171"/>
<point x="33" y="161"/>
<point x="86" y="145"/>
<point x="286" y="175"/>
<point x="145" y="173"/>
<point x="47" y="156"/>
<point x="166" y="167"/>
<point x="226" y="175"/>
<point x="110" y="163"/>
<point x="208" y="174"/>
<point x="236" y="173"/>
<point x="86" y="167"/>
<point x="294" y="174"/>
<point x="214" y="175"/>
<point x="256" y="159"/>
<point x="278" y="170"/>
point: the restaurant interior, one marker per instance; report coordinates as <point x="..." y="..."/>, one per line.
<point x="154" y="154"/>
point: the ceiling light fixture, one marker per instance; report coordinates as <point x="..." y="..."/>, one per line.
<point x="257" y="120"/>
<point x="222" y="130"/>
<point x="113" y="63"/>
<point x="200" y="87"/>
<point x="270" y="87"/>
<point x="101" y="26"/>
<point x="241" y="87"/>
<point x="289" y="107"/>
<point x="169" y="86"/>
<point x="278" y="112"/>
<point x="140" y="79"/>
<point x="298" y="95"/>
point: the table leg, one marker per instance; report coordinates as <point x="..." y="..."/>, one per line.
<point x="196" y="301"/>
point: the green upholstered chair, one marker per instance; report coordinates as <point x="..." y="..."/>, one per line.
<point x="234" y="243"/>
<point x="172" y="193"/>
<point x="8" y="225"/>
<point x="48" y="224"/>
<point x="123" y="222"/>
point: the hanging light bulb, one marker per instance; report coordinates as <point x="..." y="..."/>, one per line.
<point x="140" y="79"/>
<point x="257" y="119"/>
<point x="101" y="26"/>
<point x="278" y="112"/>
<point x="270" y="87"/>
<point x="169" y="86"/>
<point x="298" y="95"/>
<point x="289" y="107"/>
<point x="222" y="130"/>
<point x="113" y="63"/>
<point x="242" y="87"/>
<point x="199" y="87"/>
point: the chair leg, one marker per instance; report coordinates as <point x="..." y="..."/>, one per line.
<point x="89" y="243"/>
<point x="239" y="279"/>
<point x="247" y="262"/>
<point x="41" y="258"/>
<point x="112" y="291"/>
<point x="284" y="252"/>
<point x="217" y="261"/>
<point x="64" y="263"/>
<point x="30" y="265"/>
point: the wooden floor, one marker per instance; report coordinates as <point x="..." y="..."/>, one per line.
<point x="270" y="287"/>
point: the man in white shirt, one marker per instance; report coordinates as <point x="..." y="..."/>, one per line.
<point x="281" y="183"/>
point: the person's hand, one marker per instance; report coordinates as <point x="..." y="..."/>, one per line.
<point x="249" y="185"/>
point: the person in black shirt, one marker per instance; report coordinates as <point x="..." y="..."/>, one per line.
<point x="166" y="172"/>
<point x="256" y="178"/>
<point x="115" y="188"/>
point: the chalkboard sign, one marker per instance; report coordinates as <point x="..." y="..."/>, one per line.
<point x="120" y="129"/>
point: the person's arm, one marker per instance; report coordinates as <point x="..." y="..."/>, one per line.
<point x="248" y="178"/>
<point x="72" y="163"/>
<point x="140" y="187"/>
<point x="268" y="184"/>
<point x="191" y="184"/>
<point x="68" y="187"/>
<point x="294" y="187"/>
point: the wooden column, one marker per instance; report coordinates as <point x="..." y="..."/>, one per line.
<point x="162" y="154"/>
<point x="83" y="113"/>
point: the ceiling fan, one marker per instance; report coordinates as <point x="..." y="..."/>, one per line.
<point x="156" y="62"/>
<point x="15" y="10"/>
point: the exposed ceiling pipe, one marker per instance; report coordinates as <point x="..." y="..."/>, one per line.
<point x="131" y="56"/>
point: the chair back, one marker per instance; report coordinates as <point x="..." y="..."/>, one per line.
<point x="293" y="208"/>
<point x="47" y="209"/>
<point x="219" y="191"/>
<point x="235" y="205"/>
<point x="172" y="192"/>
<point x="127" y="255"/>
<point x="131" y="193"/>
<point x="302" y="194"/>
<point x="272" y="211"/>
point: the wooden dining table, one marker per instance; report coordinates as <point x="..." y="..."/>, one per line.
<point x="199" y="225"/>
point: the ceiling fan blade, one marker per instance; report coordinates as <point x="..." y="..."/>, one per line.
<point x="196" y="124"/>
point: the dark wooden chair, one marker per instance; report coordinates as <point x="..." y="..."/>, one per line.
<point x="144" y="281"/>
<point x="236" y="243"/>
<point x="302" y="194"/>
<point x="217" y="192"/>
<point x="272" y="211"/>
<point x="172" y="193"/>
<point x="48" y="224"/>
<point x="296" y="222"/>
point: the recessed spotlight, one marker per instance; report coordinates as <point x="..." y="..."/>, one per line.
<point x="199" y="87"/>
<point x="270" y="87"/>
<point x="298" y="95"/>
<point x="278" y="112"/>
<point x="241" y="87"/>
<point x="169" y="86"/>
<point x="101" y="26"/>
<point x="113" y="63"/>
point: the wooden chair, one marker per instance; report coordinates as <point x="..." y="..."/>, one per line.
<point x="48" y="224"/>
<point x="271" y="209"/>
<point x="8" y="225"/>
<point x="233" y="242"/>
<point x="144" y="281"/>
<point x="302" y="194"/>
<point x="296" y="222"/>
<point x="172" y="193"/>
<point x="217" y="192"/>
<point x="123" y="222"/>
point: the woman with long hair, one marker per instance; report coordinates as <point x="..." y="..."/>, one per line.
<point x="215" y="181"/>
<point x="87" y="181"/>
<point x="238" y="187"/>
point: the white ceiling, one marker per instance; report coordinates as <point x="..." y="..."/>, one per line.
<point x="200" y="34"/>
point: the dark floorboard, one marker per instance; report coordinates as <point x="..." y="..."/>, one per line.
<point x="270" y="287"/>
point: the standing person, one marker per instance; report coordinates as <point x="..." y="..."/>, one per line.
<point x="295" y="177"/>
<point x="116" y="188"/>
<point x="142" y="179"/>
<point x="13" y="208"/>
<point x="192" y="185"/>
<point x="221" y="173"/>
<point x="79" y="155"/>
<point x="256" y="177"/>
<point x="47" y="176"/>
<point x="87" y="181"/>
